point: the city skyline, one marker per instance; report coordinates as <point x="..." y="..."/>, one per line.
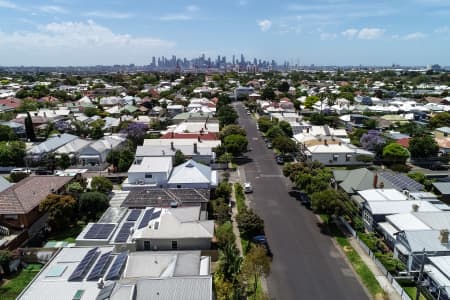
<point x="326" y="32"/>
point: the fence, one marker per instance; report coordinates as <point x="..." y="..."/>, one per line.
<point x="379" y="265"/>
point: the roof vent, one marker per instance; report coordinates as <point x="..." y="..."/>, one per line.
<point x="415" y="208"/>
<point x="443" y="236"/>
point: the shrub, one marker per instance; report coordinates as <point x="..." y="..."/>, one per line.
<point x="250" y="224"/>
<point x="225" y="235"/>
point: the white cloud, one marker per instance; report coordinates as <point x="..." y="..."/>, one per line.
<point x="108" y="15"/>
<point x="264" y="25"/>
<point x="414" y="36"/>
<point x="370" y="33"/>
<point x="8" y="4"/>
<point x="78" y="43"/>
<point x="442" y="30"/>
<point x="176" y="17"/>
<point x="52" y="9"/>
<point x="192" y="8"/>
<point x="350" y="33"/>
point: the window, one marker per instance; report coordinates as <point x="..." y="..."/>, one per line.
<point x="11" y="217"/>
<point x="348" y="157"/>
<point x="147" y="175"/>
<point x="156" y="226"/>
<point x="174" y="245"/>
<point x="178" y="186"/>
<point x="335" y="157"/>
<point x="146" y="245"/>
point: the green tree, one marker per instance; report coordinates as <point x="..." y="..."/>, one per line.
<point x="255" y="265"/>
<point x="223" y="191"/>
<point x="229" y="262"/>
<point x="61" y="210"/>
<point x="274" y="132"/>
<point x="236" y="144"/>
<point x="329" y="202"/>
<point x="12" y="153"/>
<point x="268" y="94"/>
<point x="91" y="111"/>
<point x="226" y="115"/>
<point x="64" y="161"/>
<point x="264" y="123"/>
<point x="29" y="129"/>
<point x="310" y="101"/>
<point x="286" y="127"/>
<point x="440" y="120"/>
<point x="284" y="87"/>
<point x="395" y="154"/>
<point x="423" y="147"/>
<point x="284" y="144"/>
<point x="18" y="176"/>
<point x="101" y="184"/>
<point x="231" y="129"/>
<point x="96" y="131"/>
<point x="179" y="158"/>
<point x="6" y="133"/>
<point x="250" y="224"/>
<point x="221" y="210"/>
<point x="93" y="204"/>
<point x="224" y="235"/>
<point x="75" y="189"/>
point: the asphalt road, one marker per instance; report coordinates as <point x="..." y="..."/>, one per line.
<point x="306" y="264"/>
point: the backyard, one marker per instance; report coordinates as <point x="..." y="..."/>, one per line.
<point x="12" y="286"/>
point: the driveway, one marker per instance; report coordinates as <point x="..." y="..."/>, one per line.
<point x="306" y="264"/>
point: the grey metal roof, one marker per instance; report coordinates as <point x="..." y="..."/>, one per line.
<point x="425" y="239"/>
<point x="191" y="172"/>
<point x="435" y="220"/>
<point x="52" y="143"/>
<point x="442" y="187"/>
<point x="4" y="184"/>
<point x="340" y="175"/>
<point x="165" y="197"/>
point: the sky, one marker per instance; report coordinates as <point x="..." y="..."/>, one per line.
<point x="321" y="32"/>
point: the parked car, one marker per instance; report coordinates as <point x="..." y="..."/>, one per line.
<point x="280" y="160"/>
<point x="20" y="170"/>
<point x="269" y="145"/>
<point x="43" y="171"/>
<point x="261" y="240"/>
<point x="248" y="187"/>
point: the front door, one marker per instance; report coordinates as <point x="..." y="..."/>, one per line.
<point x="147" y="245"/>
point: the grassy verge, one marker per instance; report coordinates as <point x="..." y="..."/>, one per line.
<point x="240" y="197"/>
<point x="13" y="286"/>
<point x="363" y="271"/>
<point x="411" y="291"/>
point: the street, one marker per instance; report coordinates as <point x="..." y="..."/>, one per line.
<point x="306" y="264"/>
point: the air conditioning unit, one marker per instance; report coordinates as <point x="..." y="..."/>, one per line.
<point x="141" y="182"/>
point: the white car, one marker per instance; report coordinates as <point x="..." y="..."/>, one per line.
<point x="248" y="187"/>
<point x="21" y="170"/>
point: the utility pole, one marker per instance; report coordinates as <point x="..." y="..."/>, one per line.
<point x="419" y="278"/>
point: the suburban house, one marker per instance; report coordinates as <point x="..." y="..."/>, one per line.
<point x="152" y="228"/>
<point x="442" y="189"/>
<point x="192" y="175"/>
<point x="18" y="128"/>
<point x="100" y="273"/>
<point x="95" y="153"/>
<point x="437" y="274"/>
<point x="73" y="148"/>
<point x="37" y="152"/>
<point x="19" y="205"/>
<point x="442" y="132"/>
<point x="200" y="151"/>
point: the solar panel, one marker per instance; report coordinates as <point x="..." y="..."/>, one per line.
<point x="84" y="265"/>
<point x="117" y="266"/>
<point x="134" y="215"/>
<point x="124" y="232"/>
<point x="100" y="267"/>
<point x="156" y="215"/>
<point x="99" y="231"/>
<point x="146" y="218"/>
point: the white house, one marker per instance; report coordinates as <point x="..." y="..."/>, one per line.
<point x="149" y="172"/>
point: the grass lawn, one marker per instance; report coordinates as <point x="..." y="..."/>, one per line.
<point x="14" y="285"/>
<point x="411" y="291"/>
<point x="68" y="234"/>
<point x="240" y="197"/>
<point x="259" y="292"/>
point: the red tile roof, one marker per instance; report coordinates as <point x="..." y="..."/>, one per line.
<point x="404" y="142"/>
<point x="210" y="136"/>
<point x="28" y="193"/>
<point x="10" y="102"/>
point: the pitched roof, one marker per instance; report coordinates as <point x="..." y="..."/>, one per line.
<point x="4" y="184"/>
<point x="53" y="143"/>
<point x="442" y="187"/>
<point x="28" y="193"/>
<point x="191" y="172"/>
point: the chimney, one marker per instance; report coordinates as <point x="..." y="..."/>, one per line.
<point x="325" y="142"/>
<point x="415" y="208"/>
<point x="100" y="283"/>
<point x="375" y="180"/>
<point x="443" y="236"/>
<point x="171" y="146"/>
<point x="195" y="147"/>
<point x="172" y="134"/>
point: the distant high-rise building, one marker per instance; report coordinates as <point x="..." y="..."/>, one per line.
<point x="234" y="60"/>
<point x="242" y="59"/>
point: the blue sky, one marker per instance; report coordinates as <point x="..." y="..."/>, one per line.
<point x="341" y="32"/>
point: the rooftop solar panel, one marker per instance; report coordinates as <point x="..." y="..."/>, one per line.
<point x="146" y="218"/>
<point x="124" y="232"/>
<point x="134" y="215"/>
<point x="100" y="267"/>
<point x="99" y="231"/>
<point x="84" y="265"/>
<point x="117" y="266"/>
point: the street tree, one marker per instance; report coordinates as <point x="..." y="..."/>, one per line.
<point x="274" y="132"/>
<point x="286" y="127"/>
<point x="231" y="129"/>
<point x="250" y="224"/>
<point x="226" y="115"/>
<point x="255" y="265"/>
<point x="229" y="262"/>
<point x="235" y="144"/>
<point x="284" y="144"/>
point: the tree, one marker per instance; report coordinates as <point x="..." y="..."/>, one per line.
<point x="101" y="184"/>
<point x="256" y="264"/>
<point x="221" y="210"/>
<point x="136" y="133"/>
<point x="224" y="235"/>
<point x="226" y="115"/>
<point x="93" y="204"/>
<point x="286" y="127"/>
<point x="223" y="191"/>
<point x="264" y="123"/>
<point x="18" y="176"/>
<point x="372" y="140"/>
<point x="29" y="129"/>
<point x="284" y="144"/>
<point x="236" y="144"/>
<point x="250" y="224"/>
<point x="274" y="132"/>
<point x="231" y="129"/>
<point x="64" y="161"/>
<point x="310" y="101"/>
<point x="284" y="87"/>
<point x="91" y="111"/>
<point x="268" y="94"/>
<point x="440" y="120"/>
<point x="395" y="154"/>
<point x="75" y="189"/>
<point x="229" y="262"/>
<point x="7" y="133"/>
<point x="422" y="179"/>
<point x="423" y="147"/>
<point x="179" y="158"/>
<point x="96" y="131"/>
<point x="61" y="210"/>
<point x="329" y="202"/>
<point x="12" y="153"/>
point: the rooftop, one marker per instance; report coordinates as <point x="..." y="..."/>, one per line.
<point x="153" y="164"/>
